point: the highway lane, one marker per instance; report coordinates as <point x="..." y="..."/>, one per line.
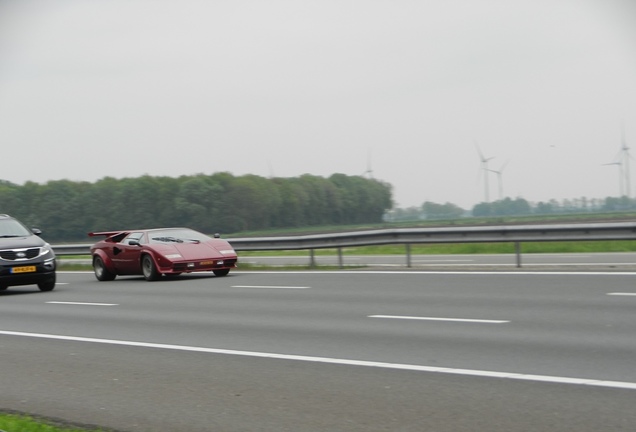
<point x="559" y="326"/>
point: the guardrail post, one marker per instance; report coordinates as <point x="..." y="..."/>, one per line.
<point x="408" y="255"/>
<point x="312" y="258"/>
<point x="518" y="253"/>
<point x="340" y="263"/>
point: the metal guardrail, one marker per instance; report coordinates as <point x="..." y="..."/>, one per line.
<point x="516" y="234"/>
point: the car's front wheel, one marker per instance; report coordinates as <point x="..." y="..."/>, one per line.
<point x="149" y="269"/>
<point x="101" y="272"/>
<point x="222" y="272"/>
<point x="47" y="285"/>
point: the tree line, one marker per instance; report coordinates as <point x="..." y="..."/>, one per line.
<point x="513" y="207"/>
<point x="67" y="210"/>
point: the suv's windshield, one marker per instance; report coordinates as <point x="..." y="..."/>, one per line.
<point x="13" y="228"/>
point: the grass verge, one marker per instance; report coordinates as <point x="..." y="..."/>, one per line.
<point x="23" y="423"/>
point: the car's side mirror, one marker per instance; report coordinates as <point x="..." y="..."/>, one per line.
<point x="134" y="243"/>
<point x="217" y="235"/>
<point x="36" y="231"/>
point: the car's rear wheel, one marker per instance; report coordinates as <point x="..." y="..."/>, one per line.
<point x="47" y="285"/>
<point x="222" y="272"/>
<point x="149" y="269"/>
<point x="101" y="272"/>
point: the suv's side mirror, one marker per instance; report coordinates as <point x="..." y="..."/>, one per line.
<point x="36" y="231"/>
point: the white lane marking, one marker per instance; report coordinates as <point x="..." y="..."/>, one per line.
<point x="530" y="264"/>
<point x="439" y="272"/>
<point x="83" y="304"/>
<point x="422" y="261"/>
<point x="270" y="286"/>
<point x="420" y="272"/>
<point x="74" y="272"/>
<point x="439" y="319"/>
<point x="621" y="294"/>
<point x="410" y="367"/>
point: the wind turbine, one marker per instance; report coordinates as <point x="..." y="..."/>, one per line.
<point x="369" y="171"/>
<point x="622" y="161"/>
<point x="500" y="179"/>
<point x="621" y="186"/>
<point x="484" y="168"/>
<point x="625" y="159"/>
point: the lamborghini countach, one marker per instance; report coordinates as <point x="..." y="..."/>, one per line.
<point x="154" y="253"/>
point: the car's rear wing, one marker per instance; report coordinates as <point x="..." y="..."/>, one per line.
<point x="106" y="233"/>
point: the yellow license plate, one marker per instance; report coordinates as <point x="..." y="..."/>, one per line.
<point x="204" y="263"/>
<point x="25" y="269"/>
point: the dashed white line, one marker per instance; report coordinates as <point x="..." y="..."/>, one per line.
<point x="470" y="320"/>
<point x="442" y="260"/>
<point x="83" y="304"/>
<point x="622" y="294"/>
<point x="397" y="366"/>
<point x="270" y="286"/>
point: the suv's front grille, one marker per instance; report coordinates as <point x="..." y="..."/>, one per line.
<point x="18" y="254"/>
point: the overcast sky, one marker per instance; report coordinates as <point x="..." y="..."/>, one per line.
<point x="407" y="89"/>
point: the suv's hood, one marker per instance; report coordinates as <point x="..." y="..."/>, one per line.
<point x="21" y="242"/>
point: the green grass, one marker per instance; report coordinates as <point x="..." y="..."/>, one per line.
<point x="23" y="423"/>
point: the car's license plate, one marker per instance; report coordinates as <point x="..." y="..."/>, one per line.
<point x="206" y="263"/>
<point x="24" y="269"/>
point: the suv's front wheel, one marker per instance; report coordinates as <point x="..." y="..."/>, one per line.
<point x="47" y="285"/>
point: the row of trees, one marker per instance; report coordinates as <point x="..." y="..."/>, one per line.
<point x="512" y="207"/>
<point x="66" y="210"/>
<point x="521" y="207"/>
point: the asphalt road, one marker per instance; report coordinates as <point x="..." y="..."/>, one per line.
<point x="326" y="351"/>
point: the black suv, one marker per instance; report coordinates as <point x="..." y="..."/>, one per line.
<point x="25" y="258"/>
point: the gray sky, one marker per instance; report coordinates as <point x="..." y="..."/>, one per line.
<point x="96" y="88"/>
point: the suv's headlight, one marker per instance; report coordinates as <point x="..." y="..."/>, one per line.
<point x="47" y="251"/>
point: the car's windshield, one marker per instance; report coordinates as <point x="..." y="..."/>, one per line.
<point x="13" y="228"/>
<point x="177" y="236"/>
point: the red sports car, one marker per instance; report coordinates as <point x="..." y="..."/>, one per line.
<point x="156" y="252"/>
